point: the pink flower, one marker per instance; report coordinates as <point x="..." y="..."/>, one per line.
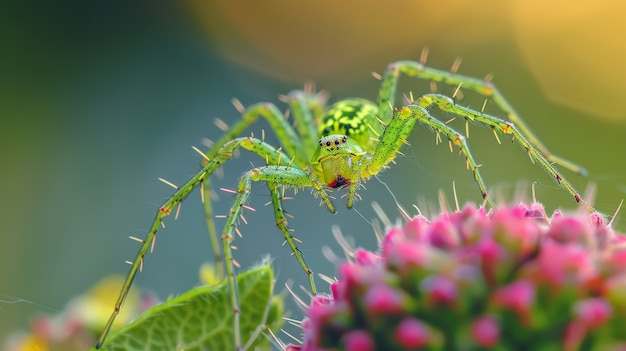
<point x="561" y="264"/>
<point x="519" y="297"/>
<point x="485" y="331"/>
<point x="515" y="232"/>
<point x="411" y="333"/>
<point x="592" y="312"/>
<point x="439" y="289"/>
<point x="365" y="258"/>
<point x="443" y="234"/>
<point x="570" y="230"/>
<point x="511" y="278"/>
<point x="358" y="340"/>
<point x="384" y="299"/>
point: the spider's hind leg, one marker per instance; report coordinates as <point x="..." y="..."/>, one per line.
<point x="447" y="104"/>
<point x="483" y="87"/>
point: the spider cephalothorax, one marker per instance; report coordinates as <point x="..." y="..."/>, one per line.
<point x="352" y="141"/>
<point x="336" y="159"/>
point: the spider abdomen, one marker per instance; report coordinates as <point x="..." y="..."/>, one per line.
<point x="355" y="118"/>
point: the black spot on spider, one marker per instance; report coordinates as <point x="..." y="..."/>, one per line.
<point x="353" y="128"/>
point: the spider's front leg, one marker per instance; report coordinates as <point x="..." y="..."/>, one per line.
<point x="445" y="103"/>
<point x="305" y="106"/>
<point x="283" y="175"/>
<point x="249" y="116"/>
<point x="483" y="87"/>
<point x="295" y="142"/>
<point x="221" y="155"/>
<point x="400" y="126"/>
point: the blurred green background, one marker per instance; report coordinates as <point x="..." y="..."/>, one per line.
<point x="98" y="99"/>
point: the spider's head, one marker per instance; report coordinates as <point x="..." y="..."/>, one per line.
<point x="336" y="158"/>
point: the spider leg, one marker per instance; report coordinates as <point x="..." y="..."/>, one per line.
<point x="221" y="155"/>
<point x="293" y="144"/>
<point x="307" y="109"/>
<point x="210" y="223"/>
<point x="483" y="87"/>
<point x="273" y="175"/>
<point x="299" y="145"/>
<point x="445" y="103"/>
<point x="398" y="129"/>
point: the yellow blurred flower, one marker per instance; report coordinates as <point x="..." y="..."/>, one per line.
<point x="94" y="307"/>
<point x="573" y="48"/>
<point x="575" y="51"/>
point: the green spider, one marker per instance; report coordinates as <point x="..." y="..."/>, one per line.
<point x="339" y="147"/>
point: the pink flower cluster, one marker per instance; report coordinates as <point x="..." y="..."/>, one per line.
<point x="512" y="278"/>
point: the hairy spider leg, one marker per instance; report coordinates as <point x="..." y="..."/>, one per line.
<point x="272" y="175"/>
<point x="225" y="152"/>
<point x="400" y="126"/>
<point x="295" y="144"/>
<point x="210" y="224"/>
<point x="486" y="88"/>
<point x="445" y="103"/>
<point x="299" y="144"/>
<point x="307" y="110"/>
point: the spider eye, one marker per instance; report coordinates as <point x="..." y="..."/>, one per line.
<point x="344" y="139"/>
<point x="336" y="142"/>
<point x="328" y="143"/>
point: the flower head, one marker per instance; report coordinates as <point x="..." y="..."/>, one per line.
<point x="512" y="278"/>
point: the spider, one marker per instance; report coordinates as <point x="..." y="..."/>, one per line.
<point x="339" y="147"/>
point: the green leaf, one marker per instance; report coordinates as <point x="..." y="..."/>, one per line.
<point x="202" y="318"/>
